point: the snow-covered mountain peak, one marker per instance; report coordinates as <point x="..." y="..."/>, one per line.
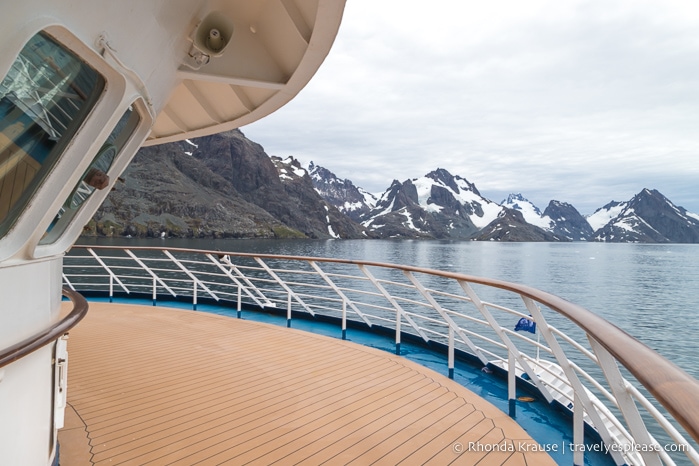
<point x="517" y="201"/>
<point x="442" y="205"/>
<point x="648" y="217"/>
<point x="604" y="214"/>
<point x="343" y="194"/>
<point x="531" y="213"/>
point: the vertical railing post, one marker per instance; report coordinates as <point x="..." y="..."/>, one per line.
<point x="112" y="275"/>
<point x="240" y="301"/>
<point x="393" y="302"/>
<point x="511" y="347"/>
<point x="398" y="323"/>
<point x="451" y="353"/>
<point x="194" y="297"/>
<point x="511" y="383"/>
<point x="232" y="268"/>
<point x="573" y="380"/>
<point x="285" y="286"/>
<point x="191" y="275"/>
<point x="626" y="403"/>
<point x="156" y="279"/>
<point x="344" y="319"/>
<point x="339" y="292"/>
<point x="578" y="431"/>
<point x="288" y="310"/>
<point x="442" y="312"/>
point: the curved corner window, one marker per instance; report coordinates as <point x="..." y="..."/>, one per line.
<point x="44" y="98"/>
<point x="96" y="176"/>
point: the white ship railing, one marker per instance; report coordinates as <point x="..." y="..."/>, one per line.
<point x="644" y="408"/>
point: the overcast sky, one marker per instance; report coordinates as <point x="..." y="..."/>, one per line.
<point x="577" y="101"/>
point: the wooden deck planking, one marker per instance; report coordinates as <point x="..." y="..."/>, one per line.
<point x="222" y="396"/>
<point x="164" y="387"/>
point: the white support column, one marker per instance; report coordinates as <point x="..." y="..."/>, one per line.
<point x="194" y="278"/>
<point x="573" y="380"/>
<point x="156" y="278"/>
<point x="398" y="319"/>
<point x="249" y="285"/>
<point x="28" y="386"/>
<point x="109" y="271"/>
<point x="344" y="320"/>
<point x="435" y="305"/>
<point x="450" y="355"/>
<point x="512" y="349"/>
<point x="281" y="283"/>
<point x="511" y="384"/>
<point x="628" y="408"/>
<point x="393" y="302"/>
<point x="339" y="292"/>
<point x="578" y="431"/>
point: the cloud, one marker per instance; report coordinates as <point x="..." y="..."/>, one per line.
<point x="578" y="101"/>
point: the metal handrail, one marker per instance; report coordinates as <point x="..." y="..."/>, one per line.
<point x="671" y="387"/>
<point x="51" y="334"/>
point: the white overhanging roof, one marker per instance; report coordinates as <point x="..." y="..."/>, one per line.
<point x="275" y="49"/>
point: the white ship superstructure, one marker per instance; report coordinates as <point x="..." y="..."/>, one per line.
<point x="84" y="85"/>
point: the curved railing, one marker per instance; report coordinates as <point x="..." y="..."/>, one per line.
<point x="644" y="408"/>
<point x="51" y="334"/>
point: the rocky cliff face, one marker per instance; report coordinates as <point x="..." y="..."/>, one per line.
<point x="302" y="207"/>
<point x="167" y="191"/>
<point x="218" y="186"/>
<point x="567" y="222"/>
<point x="398" y="215"/>
<point x="343" y="194"/>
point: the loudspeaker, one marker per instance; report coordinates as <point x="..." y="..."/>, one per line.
<point x="213" y="34"/>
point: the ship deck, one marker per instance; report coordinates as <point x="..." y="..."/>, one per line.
<point x="154" y="385"/>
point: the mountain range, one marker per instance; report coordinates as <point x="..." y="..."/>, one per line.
<point x="226" y="186"/>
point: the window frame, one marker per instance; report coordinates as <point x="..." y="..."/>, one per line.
<point x="42" y="120"/>
<point x="120" y="142"/>
<point x="121" y="90"/>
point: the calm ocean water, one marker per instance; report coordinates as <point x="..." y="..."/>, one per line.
<point x="649" y="290"/>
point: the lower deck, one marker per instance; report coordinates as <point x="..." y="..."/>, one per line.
<point x="153" y="385"/>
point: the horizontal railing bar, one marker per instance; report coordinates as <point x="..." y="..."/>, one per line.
<point x="527" y="340"/>
<point x="467" y="317"/>
<point x="576" y="345"/>
<point x="359" y="278"/>
<point x="380" y="318"/>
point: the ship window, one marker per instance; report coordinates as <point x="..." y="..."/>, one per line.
<point x="96" y="176"/>
<point x="45" y="96"/>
